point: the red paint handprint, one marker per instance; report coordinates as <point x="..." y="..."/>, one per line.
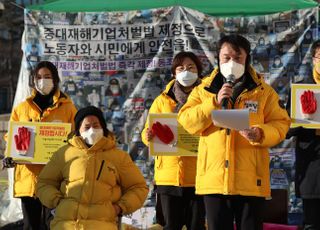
<point x="22" y="140"/>
<point x="308" y="103"/>
<point x="163" y="132"/>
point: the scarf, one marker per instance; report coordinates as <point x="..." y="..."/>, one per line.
<point x="180" y="95"/>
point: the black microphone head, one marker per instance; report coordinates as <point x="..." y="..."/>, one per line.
<point x="231" y="79"/>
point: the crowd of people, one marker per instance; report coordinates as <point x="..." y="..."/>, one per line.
<point x="89" y="182"/>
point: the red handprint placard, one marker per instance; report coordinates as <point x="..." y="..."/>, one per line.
<point x="22" y="140"/>
<point x="169" y="137"/>
<point x="163" y="132"/>
<point x="308" y="103"/>
<point x="304" y="105"/>
<point x="35" y="142"/>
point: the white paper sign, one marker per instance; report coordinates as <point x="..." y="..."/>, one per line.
<point x="237" y="119"/>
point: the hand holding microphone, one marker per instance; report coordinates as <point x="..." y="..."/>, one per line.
<point x="226" y="91"/>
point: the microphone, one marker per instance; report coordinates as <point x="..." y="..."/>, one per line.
<point x="231" y="80"/>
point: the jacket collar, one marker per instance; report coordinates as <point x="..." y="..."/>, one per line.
<point x="105" y="143"/>
<point x="215" y="80"/>
<point x="168" y="90"/>
<point x="169" y="86"/>
<point x="58" y="96"/>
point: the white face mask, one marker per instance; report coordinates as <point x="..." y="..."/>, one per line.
<point x="92" y="136"/>
<point x="44" y="86"/>
<point x="114" y="89"/>
<point x="232" y="68"/>
<point x="187" y="78"/>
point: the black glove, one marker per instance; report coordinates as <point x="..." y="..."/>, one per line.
<point x="294" y="132"/>
<point x="8" y="162"/>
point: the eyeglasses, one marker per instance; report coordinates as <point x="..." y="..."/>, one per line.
<point x="183" y="68"/>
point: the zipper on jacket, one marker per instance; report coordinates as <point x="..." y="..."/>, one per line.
<point x="37" y="106"/>
<point x="232" y="107"/>
<point x="238" y="100"/>
<point x="100" y="170"/>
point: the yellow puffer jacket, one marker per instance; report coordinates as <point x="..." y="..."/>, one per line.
<point x="316" y="76"/>
<point x="63" y="110"/>
<point x="230" y="164"/>
<point x="82" y="184"/>
<point x="170" y="170"/>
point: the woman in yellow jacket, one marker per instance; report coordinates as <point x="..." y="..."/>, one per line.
<point x="89" y="181"/>
<point x="174" y="175"/>
<point x="233" y="166"/>
<point x="46" y="104"/>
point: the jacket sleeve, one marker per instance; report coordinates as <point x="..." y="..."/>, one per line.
<point x="276" y="122"/>
<point x="73" y="110"/>
<point x="49" y="180"/>
<point x="155" y="108"/>
<point x="195" y="115"/>
<point x="133" y="186"/>
<point x="13" y="117"/>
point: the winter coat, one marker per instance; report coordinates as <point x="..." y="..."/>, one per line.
<point x="170" y="170"/>
<point x="316" y="76"/>
<point x="62" y="110"/>
<point x="82" y="183"/>
<point x="307" y="165"/>
<point x="227" y="162"/>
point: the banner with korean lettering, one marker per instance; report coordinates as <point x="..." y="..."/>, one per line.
<point x="35" y="142"/>
<point x="120" y="61"/>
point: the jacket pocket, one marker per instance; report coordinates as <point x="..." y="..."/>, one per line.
<point x="158" y="162"/>
<point x="100" y="170"/>
<point x="202" y="162"/>
<point x="106" y="173"/>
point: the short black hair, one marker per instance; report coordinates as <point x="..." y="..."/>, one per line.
<point x="53" y="69"/>
<point x="314" y="47"/>
<point x="236" y="41"/>
<point x="178" y="59"/>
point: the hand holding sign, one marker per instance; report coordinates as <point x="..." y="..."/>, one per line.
<point x="22" y="140"/>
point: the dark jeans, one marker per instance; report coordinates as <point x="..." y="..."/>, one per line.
<point x="311" y="217"/>
<point x="222" y="210"/>
<point x="178" y="211"/>
<point x="35" y="215"/>
<point x="159" y="214"/>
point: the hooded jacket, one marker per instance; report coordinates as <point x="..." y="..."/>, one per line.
<point x="83" y="183"/>
<point x="228" y="163"/>
<point x="62" y="110"/>
<point x="170" y="170"/>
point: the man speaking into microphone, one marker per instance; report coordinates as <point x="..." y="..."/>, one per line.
<point x="232" y="165"/>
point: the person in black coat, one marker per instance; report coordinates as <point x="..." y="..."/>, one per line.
<point x="307" y="176"/>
